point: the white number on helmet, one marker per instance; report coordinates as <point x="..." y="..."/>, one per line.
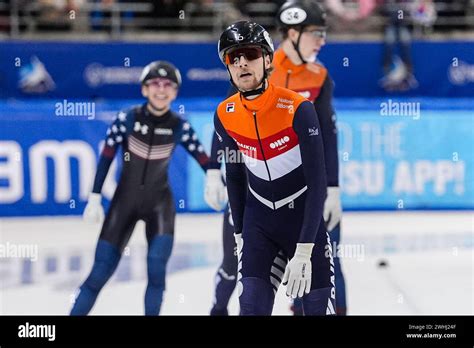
<point x="293" y="15"/>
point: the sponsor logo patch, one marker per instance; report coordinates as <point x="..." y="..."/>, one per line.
<point x="230" y="107"/>
<point x="313" y="131"/>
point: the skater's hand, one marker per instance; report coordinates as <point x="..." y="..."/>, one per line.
<point x="215" y="193"/>
<point x="94" y="213"/>
<point x="297" y="277"/>
<point x="332" y="208"/>
<point x="240" y="244"/>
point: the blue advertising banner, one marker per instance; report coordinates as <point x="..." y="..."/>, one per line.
<point x="393" y="155"/>
<point x="48" y="158"/>
<point x="406" y="159"/>
<point x="406" y="162"/>
<point x="96" y="70"/>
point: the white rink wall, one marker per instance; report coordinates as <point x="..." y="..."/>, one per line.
<point x="429" y="254"/>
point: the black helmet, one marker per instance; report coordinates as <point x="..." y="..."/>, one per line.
<point x="300" y="13"/>
<point x="244" y="33"/>
<point x="163" y="69"/>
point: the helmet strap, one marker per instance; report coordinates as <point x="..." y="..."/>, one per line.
<point x="296" y="46"/>
<point x="231" y="80"/>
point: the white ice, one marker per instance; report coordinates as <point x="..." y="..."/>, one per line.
<point x="429" y="254"/>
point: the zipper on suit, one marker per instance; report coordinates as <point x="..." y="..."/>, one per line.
<point x="254" y="113"/>
<point x="150" y="143"/>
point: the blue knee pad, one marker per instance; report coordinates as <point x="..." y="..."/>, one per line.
<point x="257" y="297"/>
<point x="107" y="257"/>
<point x="320" y="302"/>
<point x="159" y="251"/>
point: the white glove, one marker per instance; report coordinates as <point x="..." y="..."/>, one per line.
<point x="215" y="193"/>
<point x="332" y="208"/>
<point x="297" y="277"/>
<point x="94" y="213"/>
<point x="240" y="244"/>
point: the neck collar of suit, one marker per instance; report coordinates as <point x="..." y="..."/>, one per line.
<point x="259" y="102"/>
<point x="282" y="60"/>
<point x="155" y="118"/>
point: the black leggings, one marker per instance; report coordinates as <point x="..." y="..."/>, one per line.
<point x="127" y="208"/>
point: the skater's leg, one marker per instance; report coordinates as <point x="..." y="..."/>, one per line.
<point x="107" y="257"/>
<point x="226" y="277"/>
<point x="341" y="306"/>
<point x="321" y="299"/>
<point x="159" y="252"/>
<point x="257" y="279"/>
<point x="159" y="232"/>
<point x="115" y="234"/>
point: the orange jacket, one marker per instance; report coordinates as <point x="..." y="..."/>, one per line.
<point x="305" y="79"/>
<point x="313" y="82"/>
<point x="279" y="138"/>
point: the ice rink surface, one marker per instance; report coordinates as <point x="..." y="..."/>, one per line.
<point x="429" y="256"/>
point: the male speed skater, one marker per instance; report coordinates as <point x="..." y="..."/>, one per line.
<point x="277" y="184"/>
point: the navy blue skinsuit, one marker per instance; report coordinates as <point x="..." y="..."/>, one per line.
<point x="277" y="196"/>
<point x="226" y="277"/>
